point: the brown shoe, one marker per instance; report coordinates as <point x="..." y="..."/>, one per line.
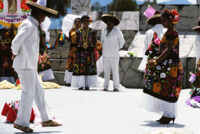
<point x="116" y="90"/>
<point x="51" y="123"/>
<point x="23" y="128"/>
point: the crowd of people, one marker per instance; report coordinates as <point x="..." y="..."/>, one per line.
<point x="161" y="65"/>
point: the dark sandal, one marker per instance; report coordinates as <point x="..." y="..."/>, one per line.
<point x="23" y="128"/>
<point x="51" y="123"/>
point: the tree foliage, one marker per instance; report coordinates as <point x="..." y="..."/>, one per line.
<point x="98" y="7"/>
<point x="123" y="5"/>
<point x="59" y="5"/>
<point x="149" y="2"/>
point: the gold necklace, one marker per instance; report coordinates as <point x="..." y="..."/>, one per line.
<point x="85" y="34"/>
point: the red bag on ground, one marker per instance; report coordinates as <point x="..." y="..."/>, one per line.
<point x="4" y="112"/>
<point x="10" y="110"/>
<point x="12" y="115"/>
<point x="32" y="116"/>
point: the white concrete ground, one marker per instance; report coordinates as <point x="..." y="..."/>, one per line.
<point x="99" y="112"/>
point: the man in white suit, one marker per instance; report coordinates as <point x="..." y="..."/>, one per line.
<point x="25" y="48"/>
<point x="157" y="27"/>
<point x="112" y="40"/>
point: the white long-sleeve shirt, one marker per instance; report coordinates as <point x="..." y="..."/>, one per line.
<point x="112" y="42"/>
<point x="159" y="29"/>
<point x="25" y="45"/>
<point x="197" y="48"/>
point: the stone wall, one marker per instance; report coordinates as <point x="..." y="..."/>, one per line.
<point x="189" y="16"/>
<point x="130" y="77"/>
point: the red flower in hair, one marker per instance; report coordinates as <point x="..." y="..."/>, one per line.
<point x="173" y="15"/>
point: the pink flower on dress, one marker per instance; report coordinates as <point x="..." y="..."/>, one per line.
<point x="156" y="40"/>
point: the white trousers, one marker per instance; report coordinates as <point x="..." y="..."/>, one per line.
<point x="68" y="77"/>
<point x="31" y="90"/>
<point x="111" y="64"/>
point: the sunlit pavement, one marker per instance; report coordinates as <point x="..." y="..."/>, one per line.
<point x="100" y="112"/>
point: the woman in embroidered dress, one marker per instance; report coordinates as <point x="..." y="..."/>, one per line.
<point x="44" y="67"/>
<point x="163" y="74"/>
<point x="6" y="70"/>
<point x="72" y="52"/>
<point x="194" y="100"/>
<point x="84" y="70"/>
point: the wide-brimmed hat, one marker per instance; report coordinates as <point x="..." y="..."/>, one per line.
<point x="151" y="19"/>
<point x="197" y="28"/>
<point x="41" y="5"/>
<point x="110" y="17"/>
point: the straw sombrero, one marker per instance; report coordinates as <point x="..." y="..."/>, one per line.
<point x="197" y="28"/>
<point x="157" y="15"/>
<point x="41" y="4"/>
<point x="110" y="17"/>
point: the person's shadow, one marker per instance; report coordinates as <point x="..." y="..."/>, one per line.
<point x="157" y="124"/>
<point x="42" y="132"/>
<point x="92" y="89"/>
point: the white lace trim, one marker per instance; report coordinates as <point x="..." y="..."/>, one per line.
<point x="156" y="105"/>
<point x="68" y="76"/>
<point x="84" y="81"/>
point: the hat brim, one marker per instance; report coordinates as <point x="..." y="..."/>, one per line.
<point x="112" y="18"/>
<point x="45" y="9"/>
<point x="197" y="28"/>
<point x="156" y="16"/>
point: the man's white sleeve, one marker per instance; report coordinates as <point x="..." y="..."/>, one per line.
<point x="121" y="39"/>
<point x="24" y="31"/>
<point x="102" y="40"/>
<point x="147" y="40"/>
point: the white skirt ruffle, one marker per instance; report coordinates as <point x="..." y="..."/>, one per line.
<point x="159" y="106"/>
<point x="68" y="77"/>
<point x="84" y="81"/>
<point x="143" y="63"/>
<point x="48" y="74"/>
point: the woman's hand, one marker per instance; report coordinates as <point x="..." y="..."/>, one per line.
<point x="13" y="56"/>
<point x="152" y="63"/>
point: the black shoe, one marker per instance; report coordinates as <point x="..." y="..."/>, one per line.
<point x="166" y="120"/>
<point x="81" y="88"/>
<point x="160" y="119"/>
<point x="116" y="90"/>
<point x="68" y="84"/>
<point x="104" y="89"/>
<point x="87" y="88"/>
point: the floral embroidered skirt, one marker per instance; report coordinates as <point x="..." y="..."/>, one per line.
<point x="164" y="80"/>
<point x="71" y="58"/>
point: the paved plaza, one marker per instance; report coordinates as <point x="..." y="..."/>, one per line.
<point x="99" y="112"/>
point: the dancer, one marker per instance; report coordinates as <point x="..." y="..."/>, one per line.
<point x="112" y="40"/>
<point x="154" y="21"/>
<point x="6" y="69"/>
<point x="72" y="51"/>
<point x="25" y="48"/>
<point x="84" y="70"/>
<point x="163" y="74"/>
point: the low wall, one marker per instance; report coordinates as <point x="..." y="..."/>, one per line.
<point x="130" y="77"/>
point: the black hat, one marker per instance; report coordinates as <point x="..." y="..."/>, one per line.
<point x="110" y="17"/>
